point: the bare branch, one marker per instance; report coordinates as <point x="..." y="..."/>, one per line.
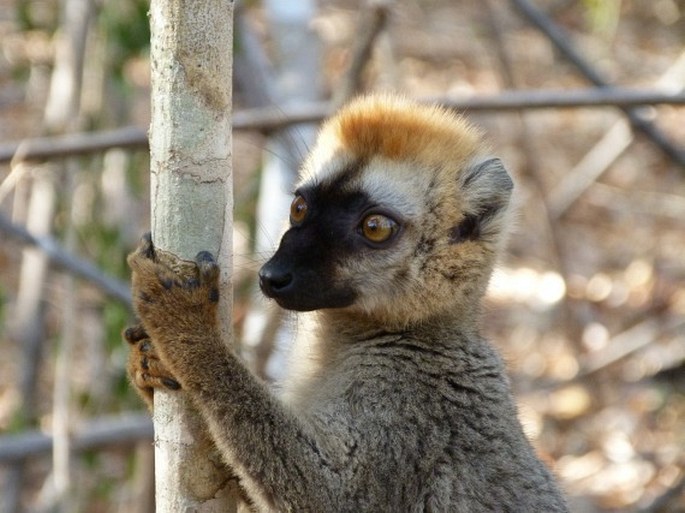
<point x="577" y="98"/>
<point x="620" y="346"/>
<point x="273" y="118"/>
<point x="65" y="260"/>
<point x="562" y="42"/>
<point x="73" y="144"/>
<point x="627" y="343"/>
<point x="373" y="20"/>
<point x="668" y="498"/>
<point x="604" y="153"/>
<point x="104" y="431"/>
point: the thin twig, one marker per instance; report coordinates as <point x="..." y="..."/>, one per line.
<point x="563" y="99"/>
<point x="626" y="343"/>
<point x="63" y="259"/>
<point x="672" y="495"/>
<point x="650" y="203"/>
<point x="272" y="118"/>
<point x="586" y="173"/>
<point x="100" y="432"/>
<point x="373" y="21"/>
<point x="563" y="43"/>
<point x="74" y="144"/>
<point x="252" y="72"/>
<point x="604" y="153"/>
<point x="619" y="347"/>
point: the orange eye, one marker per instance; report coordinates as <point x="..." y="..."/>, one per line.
<point x="298" y="210"/>
<point x="378" y="228"/>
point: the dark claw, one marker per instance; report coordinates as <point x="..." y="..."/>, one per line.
<point x="209" y="270"/>
<point x="130" y="334"/>
<point x="135" y="334"/>
<point x="167" y="283"/>
<point x="192" y="283"/>
<point x="145" y="346"/>
<point x="171" y="384"/>
<point x="145" y="364"/>
<point x="147" y="248"/>
<point x="145" y="297"/>
<point x="204" y="257"/>
<point x="214" y="295"/>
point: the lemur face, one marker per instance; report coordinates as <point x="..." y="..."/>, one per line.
<point x="396" y="215"/>
<point x="332" y="224"/>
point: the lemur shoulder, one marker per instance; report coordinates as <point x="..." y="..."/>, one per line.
<point x="402" y="406"/>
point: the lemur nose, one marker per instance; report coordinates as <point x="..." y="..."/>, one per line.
<point x="273" y="281"/>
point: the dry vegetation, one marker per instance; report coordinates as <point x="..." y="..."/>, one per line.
<point x="588" y="306"/>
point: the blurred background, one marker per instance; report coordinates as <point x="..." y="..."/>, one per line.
<point x="587" y="306"/>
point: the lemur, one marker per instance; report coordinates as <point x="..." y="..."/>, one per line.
<point x="399" y="404"/>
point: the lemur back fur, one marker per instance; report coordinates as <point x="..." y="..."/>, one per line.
<point x="398" y="404"/>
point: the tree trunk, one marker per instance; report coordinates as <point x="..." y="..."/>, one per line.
<point x="191" y="188"/>
<point x="61" y="116"/>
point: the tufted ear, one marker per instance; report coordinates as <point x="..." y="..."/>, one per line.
<point x="485" y="188"/>
<point x="485" y="184"/>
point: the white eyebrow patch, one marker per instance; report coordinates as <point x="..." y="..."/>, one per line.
<point x="396" y="185"/>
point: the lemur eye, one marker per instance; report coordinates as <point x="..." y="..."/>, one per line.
<point x="298" y="210"/>
<point x="378" y="228"/>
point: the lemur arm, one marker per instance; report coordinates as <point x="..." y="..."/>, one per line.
<point x="264" y="442"/>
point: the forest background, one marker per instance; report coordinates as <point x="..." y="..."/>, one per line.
<point x="587" y="306"/>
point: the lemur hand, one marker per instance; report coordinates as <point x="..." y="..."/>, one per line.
<point x="176" y="302"/>
<point x="144" y="367"/>
<point x="174" y="298"/>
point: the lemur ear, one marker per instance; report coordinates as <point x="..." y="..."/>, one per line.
<point x="485" y="190"/>
<point x="485" y="185"/>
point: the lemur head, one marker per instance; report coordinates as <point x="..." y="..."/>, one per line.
<point x="398" y="216"/>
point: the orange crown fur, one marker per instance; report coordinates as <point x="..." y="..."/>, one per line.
<point x="399" y="129"/>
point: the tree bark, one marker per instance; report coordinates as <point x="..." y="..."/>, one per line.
<point x="191" y="189"/>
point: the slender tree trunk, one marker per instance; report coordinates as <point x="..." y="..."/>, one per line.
<point x="191" y="187"/>
<point x="61" y="116"/>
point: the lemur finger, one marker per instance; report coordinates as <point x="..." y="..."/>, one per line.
<point x="134" y="334"/>
<point x="209" y="273"/>
<point x="150" y="279"/>
<point x="170" y="383"/>
<point x="168" y="280"/>
<point x="146" y="369"/>
<point x="144" y="380"/>
<point x="209" y="269"/>
<point x="206" y="265"/>
<point x="142" y="260"/>
<point x="146" y="247"/>
<point x="146" y="383"/>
